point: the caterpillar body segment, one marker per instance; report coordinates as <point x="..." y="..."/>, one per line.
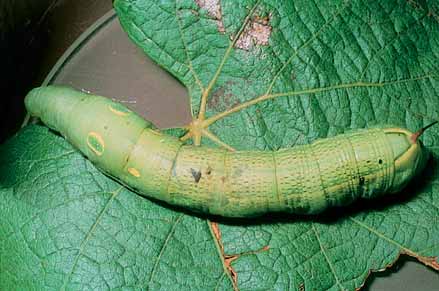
<point x="303" y="179"/>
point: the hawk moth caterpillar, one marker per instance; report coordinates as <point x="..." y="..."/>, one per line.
<point x="303" y="179"/>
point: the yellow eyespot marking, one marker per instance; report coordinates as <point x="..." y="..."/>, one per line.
<point x="119" y="109"/>
<point x="134" y="172"/>
<point x="96" y="143"/>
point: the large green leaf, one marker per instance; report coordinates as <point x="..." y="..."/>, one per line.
<point x="326" y="67"/>
<point x="64" y="225"/>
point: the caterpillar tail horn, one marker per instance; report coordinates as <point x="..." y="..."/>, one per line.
<point x="417" y="134"/>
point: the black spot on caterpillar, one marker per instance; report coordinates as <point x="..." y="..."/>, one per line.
<point x="303" y="179"/>
<point x="361" y="181"/>
<point x="196" y="175"/>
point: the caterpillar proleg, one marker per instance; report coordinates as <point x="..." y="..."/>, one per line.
<point x="304" y="179"/>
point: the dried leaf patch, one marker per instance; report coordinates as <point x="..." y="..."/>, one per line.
<point x="213" y="8"/>
<point x="257" y="32"/>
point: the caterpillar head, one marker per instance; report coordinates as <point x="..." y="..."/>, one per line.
<point x="409" y="154"/>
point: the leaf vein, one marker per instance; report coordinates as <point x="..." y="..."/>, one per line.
<point x="89" y="235"/>
<point x="337" y="280"/>
<point x="305" y="45"/>
<point x="265" y="97"/>
<point x="190" y="66"/>
<point x="223" y="61"/>
<point x="162" y="250"/>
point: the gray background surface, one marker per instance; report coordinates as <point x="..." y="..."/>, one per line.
<point x="108" y="63"/>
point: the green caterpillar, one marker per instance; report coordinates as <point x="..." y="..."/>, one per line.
<point x="303" y="179"/>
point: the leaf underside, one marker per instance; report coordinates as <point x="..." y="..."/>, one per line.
<point x="327" y="68"/>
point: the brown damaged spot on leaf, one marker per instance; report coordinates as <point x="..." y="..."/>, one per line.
<point x="257" y="32"/>
<point x="228" y="259"/>
<point x="428" y="261"/>
<point x="217" y="95"/>
<point x="217" y="233"/>
<point x="222" y="98"/>
<point x="228" y="262"/>
<point x="213" y="8"/>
